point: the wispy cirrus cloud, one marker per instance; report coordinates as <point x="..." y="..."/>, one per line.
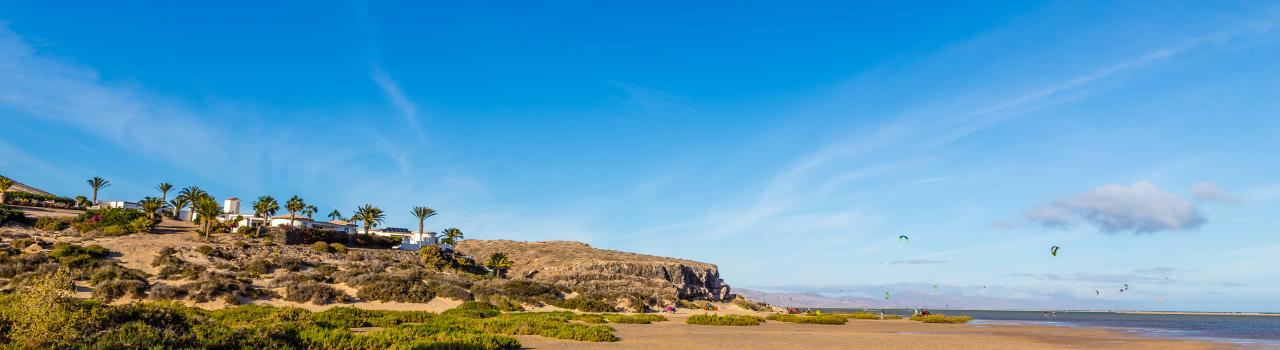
<point x="917" y="262"/>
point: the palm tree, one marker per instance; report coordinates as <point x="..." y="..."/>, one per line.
<point x="369" y="215"/>
<point x="5" y="185"/>
<point x="294" y="205"/>
<point x="498" y="263"/>
<point x="150" y="206"/>
<point x="309" y="210"/>
<point x="97" y="183"/>
<point x="164" y="188"/>
<point x="423" y="213"/>
<point x="264" y="208"/>
<point x="82" y="202"/>
<point x="335" y="215"/>
<point x="208" y="209"/>
<point x="191" y="193"/>
<point x="178" y="203"/>
<point x="451" y="236"/>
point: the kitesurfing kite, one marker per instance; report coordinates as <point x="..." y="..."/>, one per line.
<point x="1054" y="250"/>
<point x="1096" y="292"/>
<point x="935" y="288"/>
<point x="904" y="238"/>
<point x="886" y="295"/>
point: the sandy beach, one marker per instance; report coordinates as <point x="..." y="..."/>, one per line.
<point x="866" y="334"/>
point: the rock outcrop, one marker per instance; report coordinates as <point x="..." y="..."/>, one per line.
<point x="580" y="267"/>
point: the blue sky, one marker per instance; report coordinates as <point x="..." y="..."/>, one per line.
<point x="788" y="143"/>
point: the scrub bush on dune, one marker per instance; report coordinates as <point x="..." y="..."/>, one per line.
<point x="725" y="320"/>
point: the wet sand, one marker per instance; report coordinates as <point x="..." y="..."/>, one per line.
<point x="866" y="334"/>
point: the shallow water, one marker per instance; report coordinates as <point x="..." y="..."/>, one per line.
<point x="1236" y="329"/>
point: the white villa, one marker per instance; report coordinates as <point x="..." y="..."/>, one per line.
<point x="231" y="214"/>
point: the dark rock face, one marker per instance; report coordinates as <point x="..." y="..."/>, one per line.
<point x="587" y="270"/>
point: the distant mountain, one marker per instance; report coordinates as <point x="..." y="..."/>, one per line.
<point x="915" y="299"/>
<point x="20" y="187"/>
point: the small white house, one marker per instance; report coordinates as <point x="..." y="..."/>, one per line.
<point x="118" y="205"/>
<point x="417" y="240"/>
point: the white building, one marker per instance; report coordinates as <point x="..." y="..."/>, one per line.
<point x="119" y="205"/>
<point x="417" y="240"/>
<point x="231" y="215"/>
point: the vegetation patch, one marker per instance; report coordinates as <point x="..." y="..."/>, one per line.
<point x="112" y="221"/>
<point x="582" y="303"/>
<point x="940" y="318"/>
<point x="746" y="304"/>
<point x="725" y="320"/>
<point x="819" y="319"/>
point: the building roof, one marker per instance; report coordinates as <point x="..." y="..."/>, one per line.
<point x="341" y="222"/>
<point x="233" y="199"/>
<point x="286" y="216"/>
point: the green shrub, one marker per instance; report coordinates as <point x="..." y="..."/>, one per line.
<point x="10" y="215"/>
<point x="114" y="289"/>
<point x="52" y="224"/>
<point x="520" y="290"/>
<point x="110" y="221"/>
<point x="507" y="305"/>
<point x="74" y="256"/>
<point x="338" y="248"/>
<point x="586" y="304"/>
<point x="725" y="320"/>
<point x="819" y="319"/>
<point x="142" y="224"/>
<point x="389" y="287"/>
<point x="314" y="292"/>
<point x="940" y="318"/>
<point x="321" y="247"/>
<point x="206" y="250"/>
<point x="22" y="242"/>
<point x="633" y="319"/>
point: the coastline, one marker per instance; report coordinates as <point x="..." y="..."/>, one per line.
<point x="871" y="334"/>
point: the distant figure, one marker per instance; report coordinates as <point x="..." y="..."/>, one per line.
<point x="925" y="313"/>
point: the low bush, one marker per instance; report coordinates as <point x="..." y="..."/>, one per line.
<point x="211" y="286"/>
<point x="114" y="289"/>
<point x="725" y="320"/>
<point x="75" y="256"/>
<point x="22" y="242"/>
<point x="314" y="292"/>
<point x="166" y="292"/>
<point x="400" y="288"/>
<point x="48" y="223"/>
<point x="819" y="319"/>
<point x="10" y="215"/>
<point x="519" y="290"/>
<point x="633" y="319"/>
<point x="338" y="248"/>
<point x="38" y="200"/>
<point x="321" y="247"/>
<point x="109" y="221"/>
<point x="507" y="305"/>
<point x="939" y="318"/>
<point x="206" y="250"/>
<point x="582" y="303"/>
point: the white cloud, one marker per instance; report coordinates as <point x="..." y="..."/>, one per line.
<point x="1140" y="207"/>
<point x="1209" y="192"/>
<point x="398" y="99"/>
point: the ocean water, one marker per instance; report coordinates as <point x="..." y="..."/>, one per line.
<point x="1262" y="331"/>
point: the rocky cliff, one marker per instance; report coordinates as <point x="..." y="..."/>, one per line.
<point x="580" y="267"/>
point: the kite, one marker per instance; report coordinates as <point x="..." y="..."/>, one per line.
<point x="1096" y="292"/>
<point x="1126" y="286"/>
<point x="1054" y="250"/>
<point x="904" y="238"/>
<point x="935" y="288"/>
<point x="1160" y="300"/>
<point x="886" y="295"/>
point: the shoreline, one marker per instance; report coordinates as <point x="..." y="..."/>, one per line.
<point x="871" y="334"/>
